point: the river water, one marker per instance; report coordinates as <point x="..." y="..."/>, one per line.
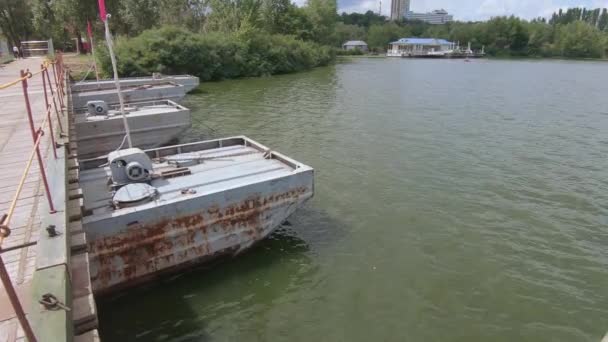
<point x="454" y="202"/>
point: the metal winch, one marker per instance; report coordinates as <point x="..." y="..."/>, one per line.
<point x="130" y="165"/>
<point x="131" y="169"/>
<point x="97" y="108"/>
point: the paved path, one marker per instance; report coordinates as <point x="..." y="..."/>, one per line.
<point x="15" y="146"/>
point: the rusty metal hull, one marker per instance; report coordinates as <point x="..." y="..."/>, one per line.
<point x="133" y="244"/>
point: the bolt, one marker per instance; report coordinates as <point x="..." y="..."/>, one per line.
<point x="5" y="231"/>
<point x="51" y="230"/>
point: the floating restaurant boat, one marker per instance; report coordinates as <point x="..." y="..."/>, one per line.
<point x="155" y="211"/>
<point x="430" y="48"/>
<point x="100" y="129"/>
<point x="188" y="81"/>
<point x="131" y="93"/>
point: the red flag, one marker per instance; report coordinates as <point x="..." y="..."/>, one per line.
<point x="102" y="10"/>
<point x="89" y="29"/>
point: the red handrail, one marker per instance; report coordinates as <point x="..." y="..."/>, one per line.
<point x="37" y="134"/>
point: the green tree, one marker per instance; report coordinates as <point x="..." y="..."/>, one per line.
<point x="276" y="15"/>
<point x="343" y="33"/>
<point x="541" y="38"/>
<point x="139" y="15"/>
<point x="15" y="20"/>
<point x="298" y="24"/>
<point x="580" y="39"/>
<point x="213" y="56"/>
<point x="437" y="31"/>
<point x="185" y="13"/>
<point x="45" y="22"/>
<point x="379" y="36"/>
<point x="603" y="20"/>
<point x="365" y="20"/>
<point x="234" y="15"/>
<point x="518" y="36"/>
<point x="322" y="15"/>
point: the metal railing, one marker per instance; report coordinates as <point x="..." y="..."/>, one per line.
<point x="51" y="105"/>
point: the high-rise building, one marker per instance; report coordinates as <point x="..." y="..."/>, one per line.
<point x="399" y="8"/>
<point x="437" y="17"/>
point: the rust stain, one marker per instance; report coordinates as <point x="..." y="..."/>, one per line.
<point x="142" y="249"/>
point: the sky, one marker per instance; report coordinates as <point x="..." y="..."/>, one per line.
<point x="474" y="9"/>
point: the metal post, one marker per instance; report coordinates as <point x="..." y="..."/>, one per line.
<point x="34" y="137"/>
<point x="48" y="112"/>
<point x="48" y="78"/>
<point x="12" y="296"/>
<point x="62" y="75"/>
<point x="50" y="48"/>
<point x="59" y="75"/>
<point x="55" y="75"/>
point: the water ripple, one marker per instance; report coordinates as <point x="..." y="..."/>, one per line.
<point x="455" y="202"/>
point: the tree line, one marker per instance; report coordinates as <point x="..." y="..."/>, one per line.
<point x="575" y="33"/>
<point x="64" y="20"/>
<point x="212" y="39"/>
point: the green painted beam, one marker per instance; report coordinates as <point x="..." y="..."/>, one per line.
<point x="54" y="251"/>
<point x="52" y="260"/>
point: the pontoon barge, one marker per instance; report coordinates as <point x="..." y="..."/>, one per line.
<point x="151" y="212"/>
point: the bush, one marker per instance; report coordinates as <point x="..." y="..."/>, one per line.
<point x="353" y="52"/>
<point x="213" y="56"/>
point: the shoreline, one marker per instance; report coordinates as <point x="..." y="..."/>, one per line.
<point x="493" y="58"/>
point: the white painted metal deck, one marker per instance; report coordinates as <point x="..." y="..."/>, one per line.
<point x="219" y="169"/>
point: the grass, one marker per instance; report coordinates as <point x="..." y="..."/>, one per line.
<point x="79" y="66"/>
<point x="6" y="59"/>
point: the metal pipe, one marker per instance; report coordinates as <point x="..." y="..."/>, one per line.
<point x="116" y="81"/>
<point x="34" y="137"/>
<point x="48" y="77"/>
<point x="12" y="296"/>
<point x="48" y="112"/>
<point x="23" y="245"/>
<point x="11" y="209"/>
<point x="57" y="85"/>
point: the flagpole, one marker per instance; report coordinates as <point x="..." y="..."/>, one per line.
<point x="116" y="80"/>
<point x="90" y="32"/>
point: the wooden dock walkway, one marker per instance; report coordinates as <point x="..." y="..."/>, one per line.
<point x="15" y="147"/>
<point x="38" y="263"/>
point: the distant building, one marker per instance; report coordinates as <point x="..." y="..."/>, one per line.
<point x="399" y="8"/>
<point x="412" y="47"/>
<point x="355" y="45"/>
<point x="437" y="17"/>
